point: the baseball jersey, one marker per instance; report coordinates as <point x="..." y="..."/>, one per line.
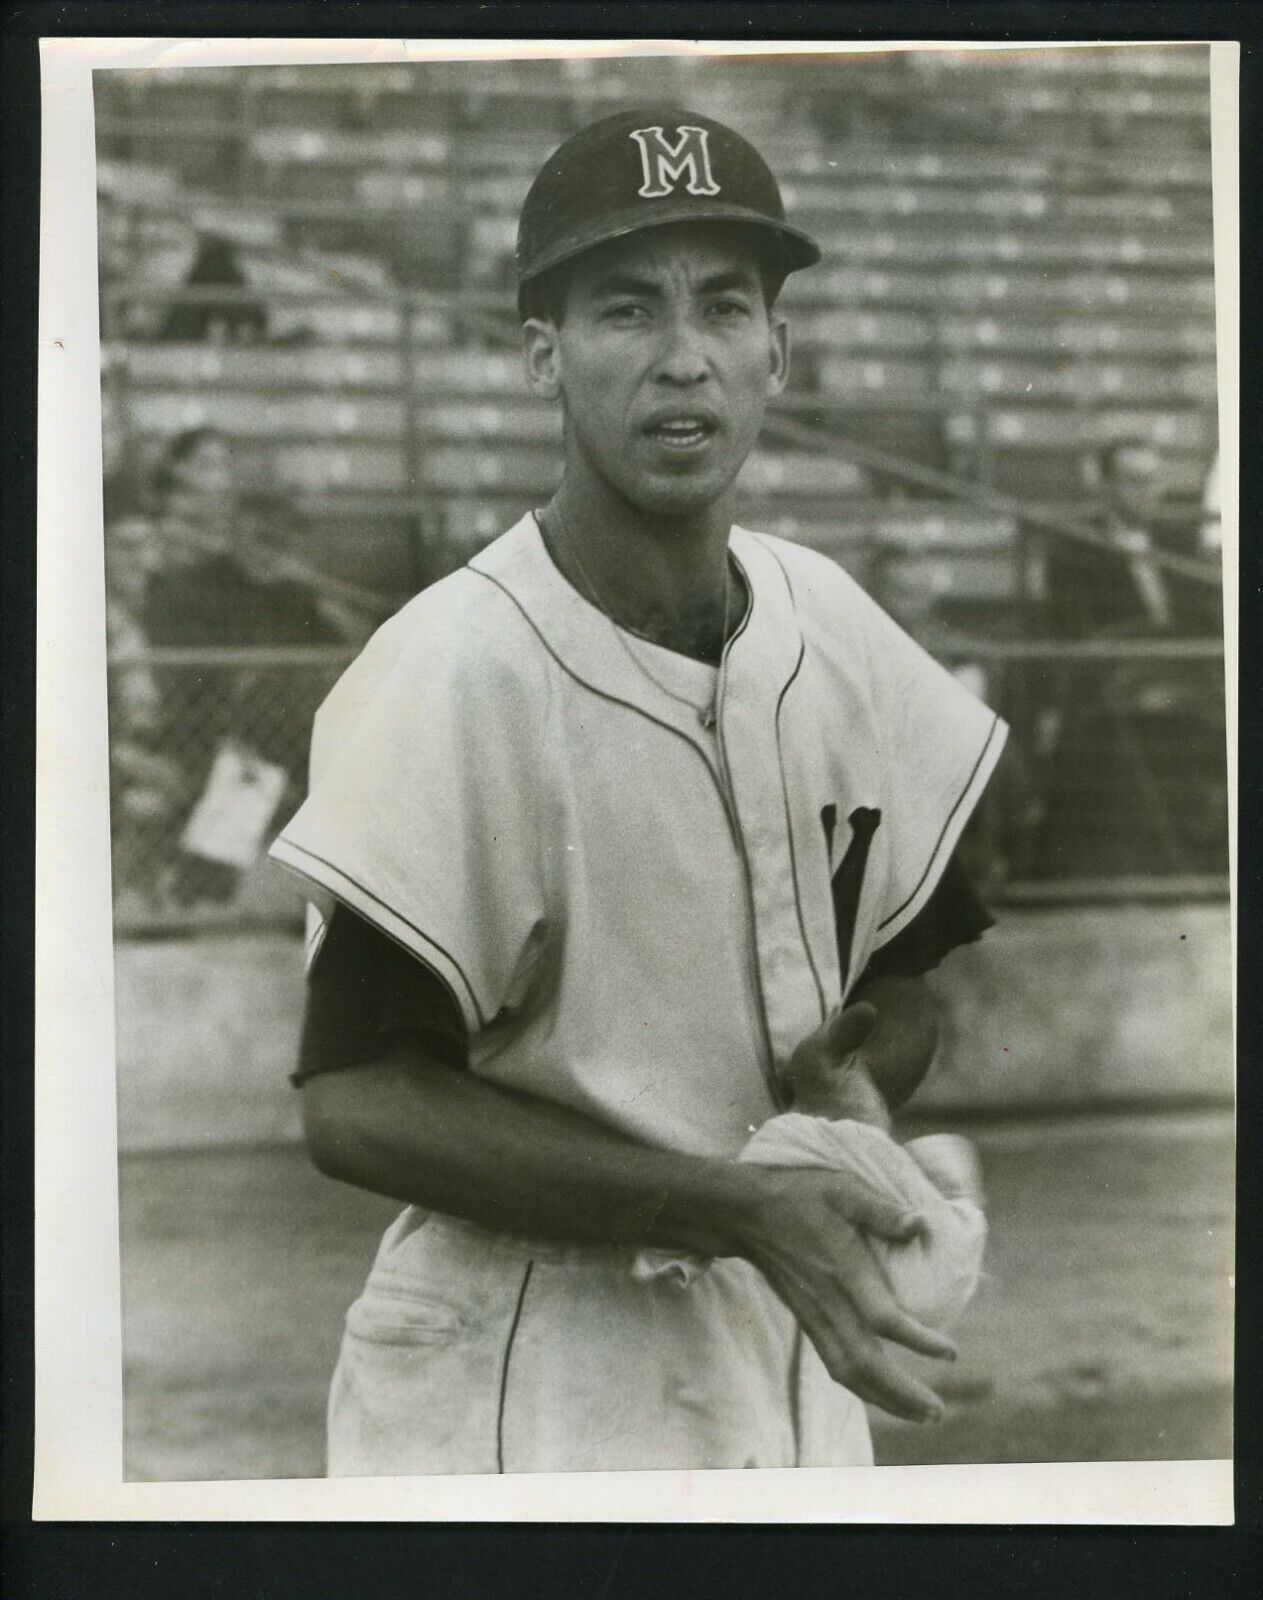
<point x="636" y="915"/>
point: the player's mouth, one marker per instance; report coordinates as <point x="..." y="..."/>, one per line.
<point x="684" y="432"/>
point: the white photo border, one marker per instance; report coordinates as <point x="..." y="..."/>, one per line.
<point x="78" y="1444"/>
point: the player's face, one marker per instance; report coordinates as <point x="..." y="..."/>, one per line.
<point x="665" y="357"/>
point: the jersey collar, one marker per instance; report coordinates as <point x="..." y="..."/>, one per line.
<point x="766" y="647"/>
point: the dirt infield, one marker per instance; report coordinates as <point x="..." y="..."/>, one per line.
<point x="1103" y="1331"/>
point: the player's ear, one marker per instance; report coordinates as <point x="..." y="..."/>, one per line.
<point x="778" y="351"/>
<point x="542" y="357"/>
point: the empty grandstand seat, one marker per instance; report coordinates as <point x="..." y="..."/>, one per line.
<point x="491" y="238"/>
<point x="1082" y="380"/>
<point x="345" y="464"/>
<point x="266" y="415"/>
<point x="453" y="468"/>
<point x="524" y="422"/>
<point x="965" y="578"/>
<point x="935" y="529"/>
<point x="903" y="422"/>
<point x="263" y="367"/>
<point x="818" y="203"/>
<point x="973" y="165"/>
<point x="306" y="146"/>
<point x="985" y="292"/>
<point x="136" y="183"/>
<point x="387" y="189"/>
<point x="1089" y="291"/>
<point x="1057" y="246"/>
<point x="1013" y="334"/>
<point x="835" y="538"/>
<point x="955" y="553"/>
<point x="826" y="327"/>
<point x="909" y="426"/>
<point x="472" y="371"/>
<point x="800" y="473"/>
<point x="249" y="224"/>
<point x="494" y="191"/>
<point x="1038" y="454"/>
<point x="866" y="375"/>
<point x="471" y="521"/>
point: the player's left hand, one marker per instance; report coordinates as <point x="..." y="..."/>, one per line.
<point x="826" y="1075"/>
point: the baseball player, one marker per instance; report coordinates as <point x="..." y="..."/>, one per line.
<point x="601" y="828"/>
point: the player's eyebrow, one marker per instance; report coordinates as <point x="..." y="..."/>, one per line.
<point x="736" y="278"/>
<point x="628" y="283"/>
<point x="617" y="283"/>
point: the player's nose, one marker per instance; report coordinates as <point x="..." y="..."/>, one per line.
<point x="682" y="358"/>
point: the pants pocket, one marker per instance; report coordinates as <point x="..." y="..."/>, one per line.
<point x="417" y="1387"/>
<point x="380" y="1317"/>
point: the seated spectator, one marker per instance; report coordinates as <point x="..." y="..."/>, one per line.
<point x="1091" y="591"/>
<point x="194" y="496"/>
<point x="220" y="322"/>
<point x="234" y="580"/>
<point x="1134" y="749"/>
<point x="233" y="573"/>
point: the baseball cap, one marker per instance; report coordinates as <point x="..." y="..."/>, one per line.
<point x="644" y="168"/>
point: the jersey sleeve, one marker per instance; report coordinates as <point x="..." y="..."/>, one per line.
<point x="421" y="817"/>
<point x="939" y="745"/>
<point x="932" y="741"/>
<point x="953" y="915"/>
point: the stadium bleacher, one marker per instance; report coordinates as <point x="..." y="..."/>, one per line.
<point x="1018" y="266"/>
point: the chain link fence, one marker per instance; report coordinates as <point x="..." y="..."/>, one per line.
<point x="1114" y="785"/>
<point x="208" y="757"/>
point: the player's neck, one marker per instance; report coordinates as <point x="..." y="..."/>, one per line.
<point x="663" y="577"/>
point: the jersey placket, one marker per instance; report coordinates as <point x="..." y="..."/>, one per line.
<point x="759" y="670"/>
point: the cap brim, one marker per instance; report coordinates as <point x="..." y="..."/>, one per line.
<point x="794" y="248"/>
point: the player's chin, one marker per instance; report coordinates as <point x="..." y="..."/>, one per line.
<point x="676" y="491"/>
<point x="678" y="499"/>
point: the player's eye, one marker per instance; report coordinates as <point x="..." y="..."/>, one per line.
<point x="625" y="311"/>
<point x="729" y="309"/>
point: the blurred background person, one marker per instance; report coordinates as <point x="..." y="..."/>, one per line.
<point x="194" y="497"/>
<point x="236" y="319"/>
<point x="232" y="577"/>
<point x="1091" y="590"/>
<point x="1135" y="771"/>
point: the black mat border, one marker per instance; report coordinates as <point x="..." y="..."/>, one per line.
<point x="353" y="1560"/>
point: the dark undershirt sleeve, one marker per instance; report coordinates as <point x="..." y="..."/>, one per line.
<point x="952" y="916"/>
<point x="365" y="993"/>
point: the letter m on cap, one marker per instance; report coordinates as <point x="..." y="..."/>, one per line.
<point x="664" y="164"/>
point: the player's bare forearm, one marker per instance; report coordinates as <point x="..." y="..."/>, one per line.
<point x="433" y="1135"/>
<point x="898" y="1052"/>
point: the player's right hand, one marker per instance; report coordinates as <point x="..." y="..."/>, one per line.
<point x="808" y="1246"/>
